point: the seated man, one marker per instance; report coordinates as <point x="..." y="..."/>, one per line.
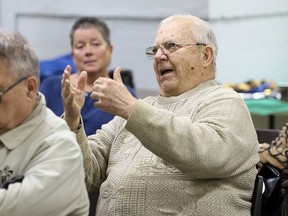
<point x="41" y="165"/>
<point x="191" y="150"/>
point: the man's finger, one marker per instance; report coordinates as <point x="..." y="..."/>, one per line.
<point x="66" y="88"/>
<point x="82" y="81"/>
<point x="66" y="74"/>
<point x="117" y="75"/>
<point x="67" y="71"/>
<point x="66" y="81"/>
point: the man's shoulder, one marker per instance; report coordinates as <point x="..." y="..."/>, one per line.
<point x="215" y="93"/>
<point x="221" y="91"/>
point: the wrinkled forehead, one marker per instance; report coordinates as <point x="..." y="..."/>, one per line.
<point x="179" y="30"/>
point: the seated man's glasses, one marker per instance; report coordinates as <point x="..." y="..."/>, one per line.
<point x="168" y="47"/>
<point x="11" y="87"/>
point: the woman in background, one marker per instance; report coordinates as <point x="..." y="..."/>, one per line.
<point x="91" y="52"/>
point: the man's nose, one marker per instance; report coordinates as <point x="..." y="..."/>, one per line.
<point x="160" y="53"/>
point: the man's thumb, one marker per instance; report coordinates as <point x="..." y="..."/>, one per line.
<point x="117" y="75"/>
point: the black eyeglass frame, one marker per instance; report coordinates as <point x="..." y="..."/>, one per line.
<point x="7" y="89"/>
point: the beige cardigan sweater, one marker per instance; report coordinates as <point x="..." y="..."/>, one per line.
<point x="194" y="154"/>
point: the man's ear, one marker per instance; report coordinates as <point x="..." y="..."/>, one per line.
<point x="208" y="56"/>
<point x="32" y="86"/>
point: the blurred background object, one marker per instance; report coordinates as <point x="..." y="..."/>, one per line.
<point x="283" y="88"/>
<point x="256" y="89"/>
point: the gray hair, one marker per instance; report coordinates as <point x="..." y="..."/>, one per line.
<point x="18" y="54"/>
<point x="202" y="31"/>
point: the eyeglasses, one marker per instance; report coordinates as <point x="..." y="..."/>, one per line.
<point x="11" y="87"/>
<point x="168" y="48"/>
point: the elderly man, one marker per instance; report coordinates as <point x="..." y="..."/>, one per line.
<point x="41" y="165"/>
<point x="191" y="150"/>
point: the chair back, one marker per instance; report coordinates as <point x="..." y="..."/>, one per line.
<point x="272" y="197"/>
<point x="257" y="196"/>
<point x="266" y="135"/>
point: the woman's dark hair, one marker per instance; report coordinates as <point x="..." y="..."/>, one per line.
<point x="91" y="22"/>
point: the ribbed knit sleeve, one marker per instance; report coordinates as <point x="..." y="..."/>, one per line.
<point x="96" y="149"/>
<point x="204" y="135"/>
